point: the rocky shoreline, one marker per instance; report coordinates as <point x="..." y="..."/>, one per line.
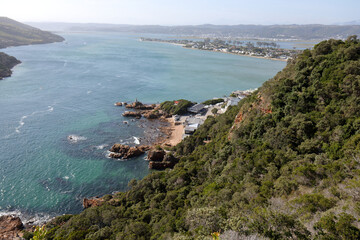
<point x="6" y="64"/>
<point x="11" y="227"/>
<point x="157" y="157"/>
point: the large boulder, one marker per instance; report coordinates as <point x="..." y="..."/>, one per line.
<point x="132" y="114"/>
<point x="125" y="151"/>
<point x="10" y="227"/>
<point x="92" y="202"/>
<point x="167" y="160"/>
<point x="140" y="106"/>
<point x="156" y="155"/>
<point x="151" y="115"/>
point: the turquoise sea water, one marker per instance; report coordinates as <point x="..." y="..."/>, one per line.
<point x="69" y="88"/>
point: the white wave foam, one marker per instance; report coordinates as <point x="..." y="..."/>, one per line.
<point x="88" y="92"/>
<point x="22" y="119"/>
<point x="102" y="146"/>
<point x="136" y="140"/>
<point x="33" y="219"/>
<point x="65" y="63"/>
<point x="107" y="154"/>
<point x="76" y="138"/>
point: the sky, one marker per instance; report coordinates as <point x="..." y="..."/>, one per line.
<point x="183" y="12"/>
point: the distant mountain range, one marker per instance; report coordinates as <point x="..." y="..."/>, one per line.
<point x="302" y="32"/>
<point x="355" y="22"/>
<point x="13" y="33"/>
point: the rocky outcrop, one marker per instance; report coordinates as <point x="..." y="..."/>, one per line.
<point x="151" y="115"/>
<point x="155" y="114"/>
<point x="119" y="104"/>
<point x="160" y="160"/>
<point x="132" y="114"/>
<point x="10" y="227"/>
<point x="140" y="106"/>
<point x="126" y="152"/>
<point x="156" y="155"/>
<point x="92" y="202"/>
<point x="6" y="64"/>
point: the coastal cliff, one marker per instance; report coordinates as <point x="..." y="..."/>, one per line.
<point x="13" y="33"/>
<point x="6" y="64"/>
<point x="282" y="164"/>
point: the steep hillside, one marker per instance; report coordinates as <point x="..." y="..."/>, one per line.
<point x="13" y="33"/>
<point x="286" y="168"/>
<point x="6" y="64"/>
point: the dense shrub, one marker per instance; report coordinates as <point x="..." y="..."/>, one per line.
<point x="284" y="169"/>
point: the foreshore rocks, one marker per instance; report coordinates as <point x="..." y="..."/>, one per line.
<point x="92" y="202"/>
<point x="140" y="106"/>
<point x="126" y="152"/>
<point x="155" y="114"/>
<point x="132" y="114"/>
<point x="158" y="158"/>
<point x="10" y="227"/>
<point x="151" y="111"/>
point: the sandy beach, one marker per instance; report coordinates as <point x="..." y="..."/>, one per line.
<point x="176" y="132"/>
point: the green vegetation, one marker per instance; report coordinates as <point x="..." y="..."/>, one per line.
<point x="176" y="107"/>
<point x="213" y="101"/>
<point x="39" y="233"/>
<point x="14" y="33"/>
<point x="6" y="64"/>
<point x="287" y="168"/>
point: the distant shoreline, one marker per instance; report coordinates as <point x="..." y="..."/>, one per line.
<point x="245" y="55"/>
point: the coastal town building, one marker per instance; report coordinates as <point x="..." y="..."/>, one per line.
<point x="197" y="108"/>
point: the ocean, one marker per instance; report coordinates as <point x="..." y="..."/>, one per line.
<point x="70" y="88"/>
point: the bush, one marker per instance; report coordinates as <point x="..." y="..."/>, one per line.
<point x="213" y="101"/>
<point x="180" y="108"/>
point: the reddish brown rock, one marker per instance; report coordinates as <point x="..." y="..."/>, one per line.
<point x="125" y="151"/>
<point x="156" y="155"/>
<point x="167" y="161"/>
<point x="132" y="114"/>
<point x="10" y="227"/>
<point x="92" y="202"/>
<point x="119" y="104"/>
<point x="140" y="106"/>
<point x="151" y="115"/>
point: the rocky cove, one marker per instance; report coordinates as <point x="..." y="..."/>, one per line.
<point x="158" y="158"/>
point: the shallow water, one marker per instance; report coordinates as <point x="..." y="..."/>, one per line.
<point x="69" y="88"/>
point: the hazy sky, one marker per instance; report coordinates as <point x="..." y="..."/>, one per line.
<point x="180" y="12"/>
